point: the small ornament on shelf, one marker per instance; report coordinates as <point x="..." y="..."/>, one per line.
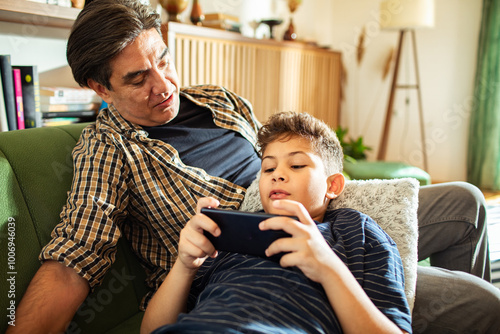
<point x="196" y="16"/>
<point x="272" y="23"/>
<point x="290" y="34"/>
<point x="254" y="24"/>
<point x="174" y="8"/>
<point x="222" y="21"/>
<point x="78" y="3"/>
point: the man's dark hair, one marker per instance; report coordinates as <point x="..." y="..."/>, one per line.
<point x="101" y="31"/>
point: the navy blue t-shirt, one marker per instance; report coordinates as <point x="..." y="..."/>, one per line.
<point x="200" y="143"/>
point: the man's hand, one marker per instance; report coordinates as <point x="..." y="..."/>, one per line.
<point x="51" y="300"/>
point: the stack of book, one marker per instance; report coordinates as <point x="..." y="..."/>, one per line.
<point x="23" y="104"/>
<point x="19" y="96"/>
<point x="63" y="105"/>
<point x="63" y="3"/>
<point x="222" y="21"/>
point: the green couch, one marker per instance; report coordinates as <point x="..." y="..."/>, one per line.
<point x="367" y="170"/>
<point x="35" y="175"/>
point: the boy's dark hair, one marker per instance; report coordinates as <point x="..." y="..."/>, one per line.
<point x="101" y="31"/>
<point x="324" y="141"/>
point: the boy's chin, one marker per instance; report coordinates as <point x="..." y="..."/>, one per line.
<point x="274" y="211"/>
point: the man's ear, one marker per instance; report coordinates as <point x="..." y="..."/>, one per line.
<point x="102" y="91"/>
<point x="336" y="183"/>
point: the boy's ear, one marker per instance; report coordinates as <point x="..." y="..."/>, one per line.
<point x="336" y="183"/>
<point x="102" y="91"/>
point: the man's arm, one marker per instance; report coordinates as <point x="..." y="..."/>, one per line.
<point x="51" y="300"/>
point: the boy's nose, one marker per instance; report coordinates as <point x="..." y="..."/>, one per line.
<point x="275" y="179"/>
<point x="279" y="175"/>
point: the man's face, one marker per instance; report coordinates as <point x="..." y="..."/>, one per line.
<point x="292" y="170"/>
<point x="144" y="82"/>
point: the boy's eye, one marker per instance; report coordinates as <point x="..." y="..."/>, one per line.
<point x="298" y="166"/>
<point x="268" y="170"/>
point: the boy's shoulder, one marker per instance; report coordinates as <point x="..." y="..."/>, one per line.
<point x="347" y="219"/>
<point x="345" y="214"/>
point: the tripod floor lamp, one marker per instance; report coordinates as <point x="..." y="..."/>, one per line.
<point x="405" y="16"/>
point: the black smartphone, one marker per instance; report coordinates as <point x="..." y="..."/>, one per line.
<point x="240" y="232"/>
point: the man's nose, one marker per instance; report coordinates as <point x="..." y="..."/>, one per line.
<point x="160" y="83"/>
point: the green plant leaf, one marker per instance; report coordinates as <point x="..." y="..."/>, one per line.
<point x="352" y="148"/>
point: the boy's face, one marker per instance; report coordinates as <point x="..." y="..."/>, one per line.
<point x="292" y="170"/>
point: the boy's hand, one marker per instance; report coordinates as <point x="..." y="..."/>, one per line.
<point x="307" y="249"/>
<point x="194" y="247"/>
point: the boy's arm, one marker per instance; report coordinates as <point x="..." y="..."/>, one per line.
<point x="51" y="300"/>
<point x="351" y="303"/>
<point x="171" y="297"/>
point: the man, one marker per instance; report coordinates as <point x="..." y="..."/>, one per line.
<point x="157" y="149"/>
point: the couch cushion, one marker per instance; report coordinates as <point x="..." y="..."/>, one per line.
<point x="35" y="175"/>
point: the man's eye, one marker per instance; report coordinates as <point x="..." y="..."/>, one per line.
<point x="138" y="80"/>
<point x="164" y="64"/>
<point x="139" y="83"/>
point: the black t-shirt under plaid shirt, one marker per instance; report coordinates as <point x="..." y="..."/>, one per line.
<point x="126" y="183"/>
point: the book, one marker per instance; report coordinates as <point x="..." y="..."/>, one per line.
<point x="61" y="121"/>
<point x="70" y="114"/>
<point x="65" y="95"/>
<point x="62" y="3"/>
<point x="69" y="107"/>
<point x="18" y="92"/>
<point x="221" y="17"/>
<point x="8" y="91"/>
<point x="31" y="96"/>
<point x="224" y="25"/>
<point x="4" y="126"/>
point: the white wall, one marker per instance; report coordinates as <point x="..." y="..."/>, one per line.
<point x="46" y="47"/>
<point x="447" y="57"/>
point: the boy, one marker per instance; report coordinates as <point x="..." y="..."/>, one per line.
<point x="340" y="271"/>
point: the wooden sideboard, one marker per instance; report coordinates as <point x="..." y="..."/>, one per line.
<point x="273" y="76"/>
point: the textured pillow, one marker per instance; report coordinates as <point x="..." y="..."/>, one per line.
<point x="391" y="203"/>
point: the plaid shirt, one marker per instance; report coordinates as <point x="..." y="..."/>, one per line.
<point x="125" y="183"/>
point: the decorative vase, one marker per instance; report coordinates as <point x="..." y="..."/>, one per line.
<point x="196" y="16"/>
<point x="77" y="3"/>
<point x="290" y="34"/>
<point x="174" y="8"/>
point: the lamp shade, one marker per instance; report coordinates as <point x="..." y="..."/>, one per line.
<point x="406" y="14"/>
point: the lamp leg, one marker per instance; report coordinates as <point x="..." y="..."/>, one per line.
<point x="388" y="115"/>
<point x="419" y="95"/>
